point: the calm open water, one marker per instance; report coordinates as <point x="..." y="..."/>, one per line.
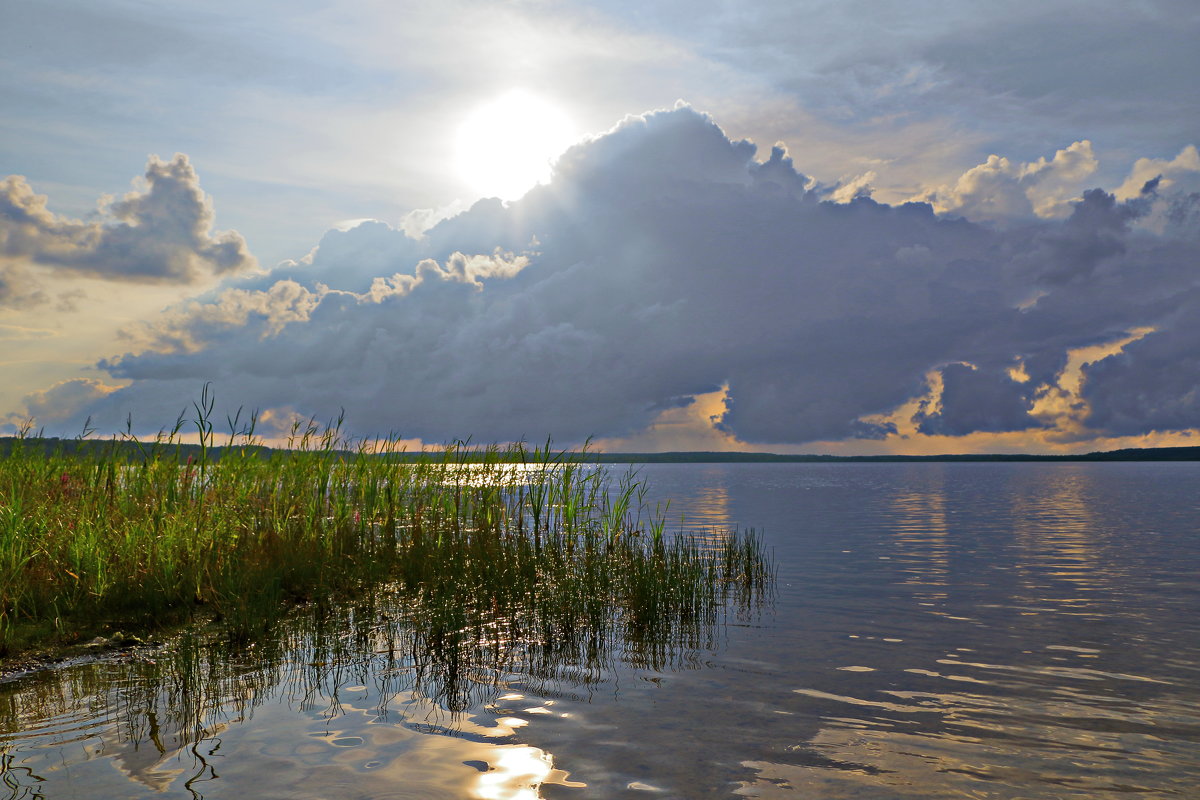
<point x="938" y="631"/>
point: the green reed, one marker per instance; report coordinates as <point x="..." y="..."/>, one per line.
<point x="136" y="534"/>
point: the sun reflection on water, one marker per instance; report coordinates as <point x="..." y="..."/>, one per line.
<point x="321" y="722"/>
<point x="711" y="507"/>
<point x="1056" y="530"/>
<point x="517" y="772"/>
<point x="921" y="532"/>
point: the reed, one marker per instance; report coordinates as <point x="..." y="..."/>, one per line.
<point x="133" y="534"/>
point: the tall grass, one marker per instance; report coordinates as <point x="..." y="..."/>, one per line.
<point x="135" y="534"/>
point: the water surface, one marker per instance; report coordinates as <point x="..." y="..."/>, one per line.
<point x="938" y="630"/>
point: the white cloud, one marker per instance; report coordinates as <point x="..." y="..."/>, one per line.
<point x="197" y="324"/>
<point x="192" y="326"/>
<point x="1180" y="174"/>
<point x="1000" y="190"/>
<point x="1170" y="190"/>
<point x="159" y="233"/>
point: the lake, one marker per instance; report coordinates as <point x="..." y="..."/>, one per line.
<point x="937" y="630"/>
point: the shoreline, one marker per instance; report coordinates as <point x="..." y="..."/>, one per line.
<point x="213" y="454"/>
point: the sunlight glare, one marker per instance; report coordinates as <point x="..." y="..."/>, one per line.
<point x="516" y="773"/>
<point x="506" y="147"/>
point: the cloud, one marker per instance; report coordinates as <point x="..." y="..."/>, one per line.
<point x="160" y="233"/>
<point x="1171" y="189"/>
<point x="65" y="400"/>
<point x="972" y="400"/>
<point x="23" y="333"/>
<point x="19" y="289"/>
<point x="194" y="325"/>
<point x="235" y="313"/>
<point x="664" y="262"/>
<point x="1182" y="174"/>
<point x="1153" y="384"/>
<point x="1001" y="190"/>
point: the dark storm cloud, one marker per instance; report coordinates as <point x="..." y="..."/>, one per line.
<point x="1022" y="74"/>
<point x="1154" y="384"/>
<point x="162" y="234"/>
<point x="64" y="400"/>
<point x="1090" y="66"/>
<point x="665" y="261"/>
<point x="977" y="400"/>
<point x="1183" y="215"/>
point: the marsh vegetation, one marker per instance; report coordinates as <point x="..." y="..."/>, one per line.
<point x="132" y="535"/>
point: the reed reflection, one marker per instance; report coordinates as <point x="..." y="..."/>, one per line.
<point x="389" y="665"/>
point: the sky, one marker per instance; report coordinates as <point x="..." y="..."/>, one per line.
<point x="813" y="226"/>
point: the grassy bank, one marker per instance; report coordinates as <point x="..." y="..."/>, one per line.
<point x="109" y="536"/>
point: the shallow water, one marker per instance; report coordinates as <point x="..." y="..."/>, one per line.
<point x="938" y="630"/>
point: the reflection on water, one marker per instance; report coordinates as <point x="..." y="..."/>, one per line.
<point x="1056" y="528"/>
<point x="921" y="535"/>
<point x="1021" y="642"/>
<point x="710" y="507"/>
<point x="394" y="699"/>
<point x="693" y="496"/>
<point x="990" y="631"/>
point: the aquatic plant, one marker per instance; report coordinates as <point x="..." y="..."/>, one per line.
<point x="131" y="534"/>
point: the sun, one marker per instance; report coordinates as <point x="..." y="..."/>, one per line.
<point x="506" y="146"/>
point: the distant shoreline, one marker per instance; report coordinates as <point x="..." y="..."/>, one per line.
<point x="1128" y="454"/>
<point x="676" y="457"/>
